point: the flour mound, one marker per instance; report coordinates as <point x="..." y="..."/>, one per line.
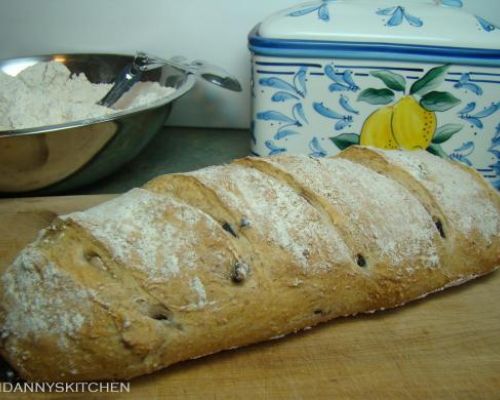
<point x="47" y="93"/>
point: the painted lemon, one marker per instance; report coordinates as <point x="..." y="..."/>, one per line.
<point x="377" y="130"/>
<point x="412" y="125"/>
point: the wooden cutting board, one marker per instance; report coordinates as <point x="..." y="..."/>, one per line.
<point x="445" y="346"/>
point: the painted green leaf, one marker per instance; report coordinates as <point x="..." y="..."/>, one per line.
<point x="376" y="96"/>
<point x="437" y="150"/>
<point x="345" y="140"/>
<point x="392" y="80"/>
<point x="439" y="101"/>
<point x="431" y="80"/>
<point x="445" y="132"/>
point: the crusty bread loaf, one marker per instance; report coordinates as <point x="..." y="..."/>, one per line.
<point x="195" y="263"/>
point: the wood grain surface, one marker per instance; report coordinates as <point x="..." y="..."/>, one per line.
<point x="446" y="346"/>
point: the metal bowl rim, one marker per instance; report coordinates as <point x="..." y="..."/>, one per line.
<point x="182" y="90"/>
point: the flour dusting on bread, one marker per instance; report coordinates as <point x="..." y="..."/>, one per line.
<point x="278" y="214"/>
<point x="132" y="227"/>
<point x="375" y="212"/>
<point x="41" y="299"/>
<point x="460" y="195"/>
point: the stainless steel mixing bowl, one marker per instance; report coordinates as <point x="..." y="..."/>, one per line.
<point x="57" y="158"/>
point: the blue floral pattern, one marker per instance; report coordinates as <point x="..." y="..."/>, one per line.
<point x="286" y="91"/>
<point x="399" y="14"/>
<point x="273" y="149"/>
<point x="396" y="15"/>
<point x="451" y="3"/>
<point x="466" y="83"/>
<point x="475" y="119"/>
<point x="321" y="9"/>
<point x="343" y="120"/>
<point x="342" y="82"/>
<point x="463" y="152"/>
<point x="495" y="150"/>
<point x="286" y="123"/>
<point x="485" y="25"/>
<point x="316" y="149"/>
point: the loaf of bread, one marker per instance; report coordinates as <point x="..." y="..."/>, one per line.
<point x="195" y="263"/>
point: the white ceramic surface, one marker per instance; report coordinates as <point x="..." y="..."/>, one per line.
<point x="423" y="22"/>
<point x="406" y="92"/>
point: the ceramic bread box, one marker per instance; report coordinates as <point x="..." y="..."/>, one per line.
<point x="388" y="73"/>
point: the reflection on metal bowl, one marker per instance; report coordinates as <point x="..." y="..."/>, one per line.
<point x="57" y="158"/>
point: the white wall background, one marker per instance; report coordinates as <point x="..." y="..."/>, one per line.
<point x="213" y="30"/>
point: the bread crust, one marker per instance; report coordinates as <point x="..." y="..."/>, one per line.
<point x="195" y="263"/>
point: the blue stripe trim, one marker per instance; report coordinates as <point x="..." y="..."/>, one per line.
<point x="378" y="67"/>
<point x="287" y="64"/>
<point x="474" y="73"/>
<point x="341" y="66"/>
<point x="472" y="80"/>
<point x="372" y="51"/>
<point x="261" y="71"/>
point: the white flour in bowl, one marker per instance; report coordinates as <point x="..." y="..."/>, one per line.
<point x="47" y="93"/>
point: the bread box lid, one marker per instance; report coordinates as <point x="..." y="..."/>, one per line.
<point x="413" y="30"/>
